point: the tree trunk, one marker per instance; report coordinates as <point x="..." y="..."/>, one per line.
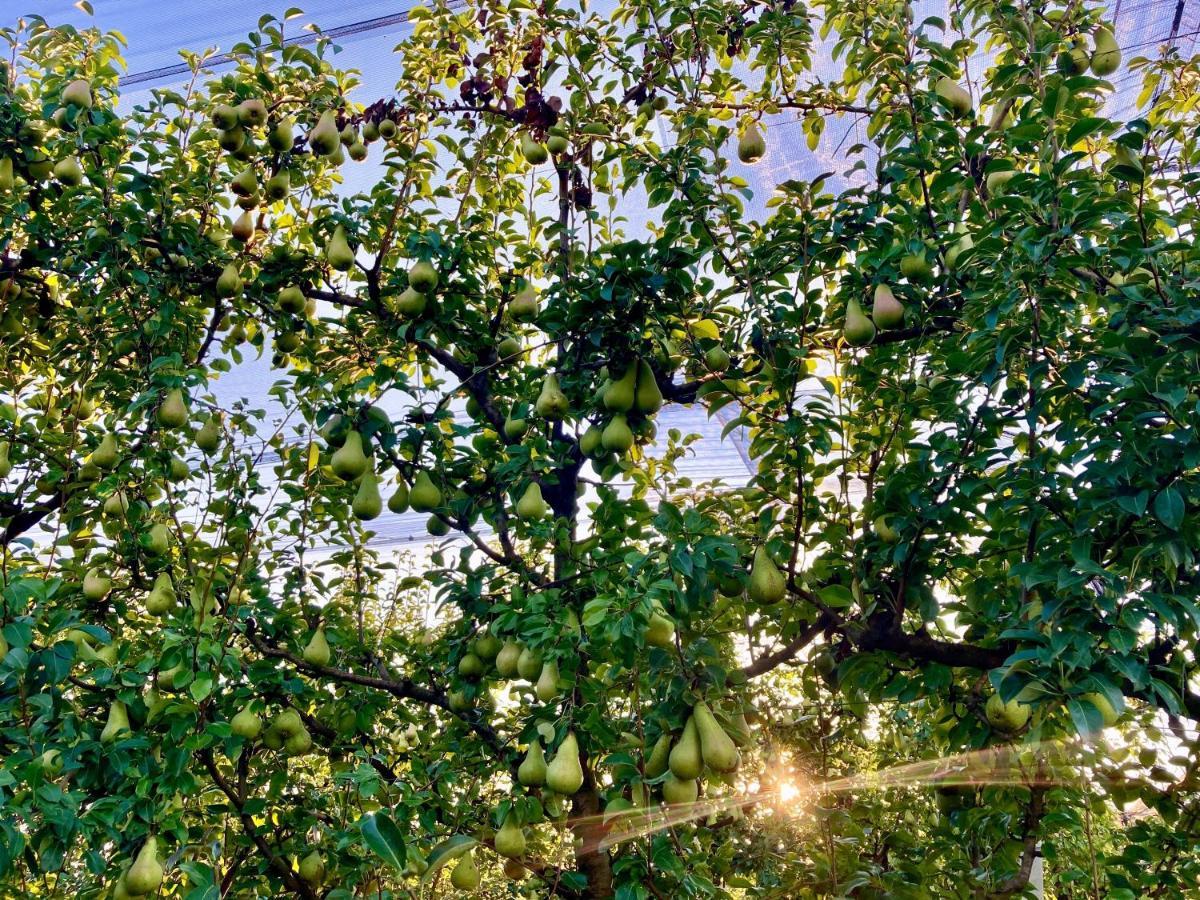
<point x="591" y="861"/>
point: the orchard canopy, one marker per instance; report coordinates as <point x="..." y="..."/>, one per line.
<point x="941" y="641"/>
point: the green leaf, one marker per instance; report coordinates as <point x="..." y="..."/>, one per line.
<point x="382" y="836"/>
<point x="447" y="851"/>
<point x="1168" y="507"/>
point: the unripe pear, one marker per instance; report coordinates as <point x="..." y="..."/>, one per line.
<point x="312" y="868"/>
<point x="858" y="329"/>
<point x="915" y="267"/>
<point x="767" y="582"/>
<point x="224" y="117"/>
<point x="291" y="300"/>
<point x="146" y="874"/>
<point x="1107" y="711"/>
<point x="648" y="399"/>
<point x="883" y="529"/>
<point x="953" y="95"/>
<point x="887" y="311"/>
<point x="278" y="186"/>
<point x="529" y="663"/>
<point x="317" y="652"/>
<point x="532" y="771"/>
<point x="252" y="112"/>
<point x="546" y="688"/>
<point x="229" y="282"/>
<point x="173" y="411"/>
<point x="398" y="502"/>
<point x="534" y="153"/>
<point x="551" y="402"/>
<point x="752" y="146"/>
<point x="78" y="93"/>
<point x="716" y="359"/>
<point x="282" y="136"/>
<point x="1106" y="58"/>
<point x="465" y="875"/>
<point x="246" y="182"/>
<point x="685" y="760"/>
<point x="659" y="759"/>
<point x="617" y="436"/>
<point x="531" y="506"/>
<point x="424" y="495"/>
<point x="367" y="502"/>
<point x="162" y="598"/>
<point x="246" y="724"/>
<point x="68" y="171"/>
<point x="422" y="277"/>
<point x="208" y="438"/>
<point x="680" y="790"/>
<point x="659" y="631"/>
<point x="96" y="585"/>
<point x="470" y="666"/>
<point x="510" y="839"/>
<point x="410" y="302"/>
<point x="716" y="747"/>
<point x="1008" y="717"/>
<point x="324" y="138"/>
<point x="591" y="442"/>
<point x="524" y="306"/>
<point x="337" y="252"/>
<point x="564" y="774"/>
<point x="117" y="724"/>
<point x="619" y="395"/>
<point x="507" y="659"/>
<point x="349" y="462"/>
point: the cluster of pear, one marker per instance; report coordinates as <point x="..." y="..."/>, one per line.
<point x="635" y="393"/>
<point x="887" y="312"/>
<point x="34" y="165"/>
<point x="702" y="743"/>
<point x="510" y="659"/>
<point x="1103" y="58"/>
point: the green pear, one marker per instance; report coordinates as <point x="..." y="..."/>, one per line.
<point x="767" y="583"/>
<point x="546" y="688"/>
<point x="959" y="247"/>
<point x="1074" y="60"/>
<point x="617" y="436"/>
<point x="349" y="462"/>
<point x="507" y="659"/>
<point x="425" y="495"/>
<point x="246" y="182"/>
<point x="953" y="95"/>
<point x="162" y="598"/>
<point x="590" y="443"/>
<point x="252" y="113"/>
<point x="317" y="652"/>
<point x="398" y="502"/>
<point x="858" y="329"/>
<point x="716" y="359"/>
<point x="387" y="129"/>
<point x="648" y="399"/>
<point x="470" y="666"/>
<point x="887" y="311"/>
<point x="996" y="182"/>
<point x="337" y="252"/>
<point x="96" y="585"/>
<point x="659" y="758"/>
<point x="532" y="771"/>
<point x="146" y="874"/>
<point x="208" y="438"/>
<point x="225" y="117"/>
<point x="486" y="646"/>
<point x="551" y="402"/>
<point x="564" y="774"/>
<point x="117" y="724"/>
<point x="524" y="306"/>
<point x="534" y="153"/>
<point x="173" y="411"/>
<point x="324" y="138"/>
<point x="411" y="302"/>
<point x="510" y="839"/>
<point x="529" y="663"/>
<point x="5" y="462"/>
<point x="422" y="277"/>
<point x="105" y="455"/>
<point x="78" y="93"/>
<point x="531" y="506"/>
<point x="619" y="395"/>
<point x="367" y="502"/>
<point x="1106" y="58"/>
<point x="291" y="300"/>
<point x="752" y="146"/>
<point x="246" y="724"/>
<point x="7" y="181"/>
<point x="229" y="283"/>
<point x="156" y="540"/>
<point x="278" y="186"/>
<point x="282" y="136"/>
<point x="68" y="172"/>
<point x="515" y="428"/>
<point x="465" y="875"/>
<point x="883" y="529"/>
<point x="177" y="469"/>
<point x="716" y="747"/>
<point x="685" y="760"/>
<point x="915" y="267"/>
<point x="312" y="868"/>
<point x="680" y="790"/>
<point x="659" y="631"/>
<point x="1007" y="717"/>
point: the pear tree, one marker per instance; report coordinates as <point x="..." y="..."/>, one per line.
<point x="948" y="616"/>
